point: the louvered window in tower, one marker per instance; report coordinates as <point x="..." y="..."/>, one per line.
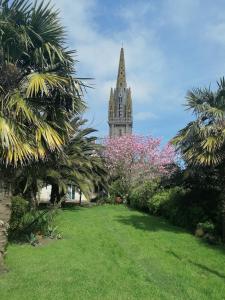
<point x="120" y="107"/>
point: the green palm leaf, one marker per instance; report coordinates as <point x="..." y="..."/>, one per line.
<point x="13" y="148"/>
<point x="203" y="140"/>
<point x="43" y="83"/>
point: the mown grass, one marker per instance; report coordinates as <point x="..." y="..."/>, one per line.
<point x="111" y="252"/>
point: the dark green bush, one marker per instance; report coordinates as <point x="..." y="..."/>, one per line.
<point x="19" y="207"/>
<point x="117" y="188"/>
<point x="37" y="221"/>
<point x="180" y="206"/>
<point x="165" y="201"/>
<point x="25" y="222"/>
<point x="141" y="195"/>
<point x="207" y="227"/>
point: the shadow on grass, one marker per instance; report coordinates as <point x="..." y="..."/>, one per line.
<point x="153" y="224"/>
<point x="202" y="267"/>
<point x="207" y="269"/>
<point x="71" y="208"/>
<point x="76" y="206"/>
<point x="219" y="247"/>
<point x="149" y="223"/>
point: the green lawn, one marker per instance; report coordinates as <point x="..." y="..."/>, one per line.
<point x="111" y="252"/>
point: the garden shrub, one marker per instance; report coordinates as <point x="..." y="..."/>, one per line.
<point x="19" y="207"/>
<point x="156" y="202"/>
<point x="207" y="227"/>
<point x="201" y="205"/>
<point x="25" y="222"/>
<point x="165" y="201"/>
<point x="140" y="195"/>
<point x="117" y="189"/>
<point x="101" y="200"/>
<point x="182" y="207"/>
<point x="37" y="221"/>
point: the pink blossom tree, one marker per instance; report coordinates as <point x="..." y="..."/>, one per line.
<point x="134" y="158"/>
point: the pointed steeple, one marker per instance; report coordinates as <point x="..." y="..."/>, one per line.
<point x="121" y="77"/>
<point x="120" y="117"/>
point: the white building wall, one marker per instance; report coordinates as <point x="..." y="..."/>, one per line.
<point x="45" y="195"/>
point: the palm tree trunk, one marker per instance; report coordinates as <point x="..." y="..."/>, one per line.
<point x="80" y="200"/>
<point x="222" y="201"/>
<point x="5" y="213"/>
<point x="55" y="195"/>
<point x="223" y="216"/>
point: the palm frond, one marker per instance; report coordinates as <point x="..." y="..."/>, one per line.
<point x="43" y="83"/>
<point x="20" y="108"/>
<point x="202" y="142"/>
<point x="13" y="148"/>
<point x="45" y="133"/>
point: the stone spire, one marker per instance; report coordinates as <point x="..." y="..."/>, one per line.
<point x="120" y="118"/>
<point x="111" y="104"/>
<point x="121" y="77"/>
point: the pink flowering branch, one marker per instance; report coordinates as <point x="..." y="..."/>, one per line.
<point x="136" y="157"/>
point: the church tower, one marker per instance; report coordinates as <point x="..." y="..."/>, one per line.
<point x="120" y="117"/>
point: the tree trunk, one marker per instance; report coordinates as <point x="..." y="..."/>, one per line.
<point x="80" y="200"/>
<point x="5" y="213"/>
<point x="223" y="216"/>
<point x="222" y="200"/>
<point x="55" y="195"/>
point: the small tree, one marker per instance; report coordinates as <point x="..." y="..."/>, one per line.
<point x="38" y="93"/>
<point x="133" y="159"/>
<point x="201" y="142"/>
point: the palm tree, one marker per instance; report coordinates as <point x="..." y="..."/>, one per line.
<point x="202" y="141"/>
<point x="38" y="93"/>
<point x="79" y="164"/>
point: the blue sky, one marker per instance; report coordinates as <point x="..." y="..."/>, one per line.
<point x="170" y="47"/>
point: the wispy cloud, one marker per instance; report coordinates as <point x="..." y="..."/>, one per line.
<point x="216" y="33"/>
<point x="165" y="53"/>
<point x="99" y="53"/>
<point x="181" y="13"/>
<point x="145" y="115"/>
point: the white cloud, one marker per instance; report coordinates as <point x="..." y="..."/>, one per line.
<point x="216" y="33"/>
<point x="145" y="115"/>
<point x="98" y="54"/>
<point x="151" y="64"/>
<point x="77" y="16"/>
<point x="180" y="12"/>
<point x="136" y="12"/>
